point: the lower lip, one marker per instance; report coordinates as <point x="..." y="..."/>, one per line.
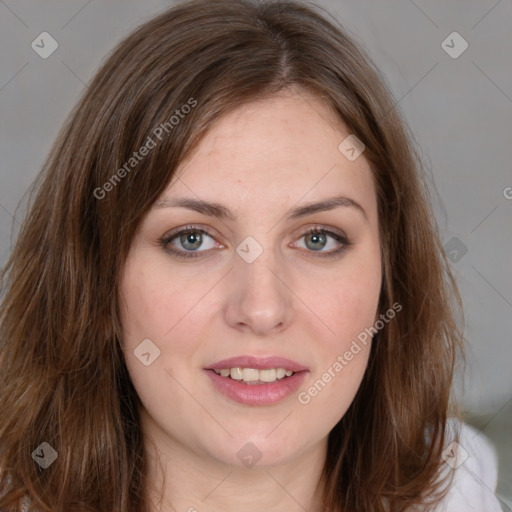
<point x="257" y="394"/>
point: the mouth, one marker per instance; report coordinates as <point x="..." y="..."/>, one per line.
<point x="256" y="381"/>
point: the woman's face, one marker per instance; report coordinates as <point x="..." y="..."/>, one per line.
<point x="257" y="288"/>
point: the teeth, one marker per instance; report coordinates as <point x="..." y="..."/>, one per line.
<point x="236" y="373"/>
<point x="268" y="375"/>
<point x="250" y="375"/>
<point x="254" y="375"/>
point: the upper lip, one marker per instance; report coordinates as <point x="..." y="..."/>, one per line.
<point x="258" y="363"/>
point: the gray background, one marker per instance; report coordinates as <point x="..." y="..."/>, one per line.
<point x="459" y="109"/>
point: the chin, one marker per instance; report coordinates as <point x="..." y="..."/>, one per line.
<point x="252" y="451"/>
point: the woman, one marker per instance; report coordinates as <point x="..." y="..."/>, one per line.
<point x="229" y="292"/>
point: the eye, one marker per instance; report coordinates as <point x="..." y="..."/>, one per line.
<point x="186" y="242"/>
<point x="190" y="239"/>
<point x="317" y="239"/>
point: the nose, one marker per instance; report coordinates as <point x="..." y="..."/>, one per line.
<point x="259" y="299"/>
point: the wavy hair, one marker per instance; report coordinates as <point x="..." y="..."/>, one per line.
<point x="63" y="378"/>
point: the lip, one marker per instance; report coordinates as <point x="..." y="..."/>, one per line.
<point x="256" y="394"/>
<point x="258" y="363"/>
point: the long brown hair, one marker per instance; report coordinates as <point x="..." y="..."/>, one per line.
<point x="63" y="380"/>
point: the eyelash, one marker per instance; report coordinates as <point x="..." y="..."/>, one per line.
<point x="166" y="240"/>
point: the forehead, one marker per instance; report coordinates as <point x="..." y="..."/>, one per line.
<point x="283" y="148"/>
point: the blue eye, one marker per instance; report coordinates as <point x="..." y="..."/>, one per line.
<point x="191" y="238"/>
<point x="320" y="237"/>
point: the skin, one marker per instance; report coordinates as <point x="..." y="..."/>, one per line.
<point x="260" y="161"/>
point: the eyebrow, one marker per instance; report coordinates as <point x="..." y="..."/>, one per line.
<point x="222" y="212"/>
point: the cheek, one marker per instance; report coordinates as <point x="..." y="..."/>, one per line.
<point x="352" y="311"/>
<point x="349" y="305"/>
<point x="152" y="310"/>
<point x="342" y="355"/>
<point x="150" y="307"/>
<point x="158" y="309"/>
<point x="350" y="302"/>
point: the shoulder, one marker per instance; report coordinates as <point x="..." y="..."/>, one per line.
<point x="475" y="471"/>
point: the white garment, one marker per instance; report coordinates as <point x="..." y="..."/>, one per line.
<point x="474" y="480"/>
